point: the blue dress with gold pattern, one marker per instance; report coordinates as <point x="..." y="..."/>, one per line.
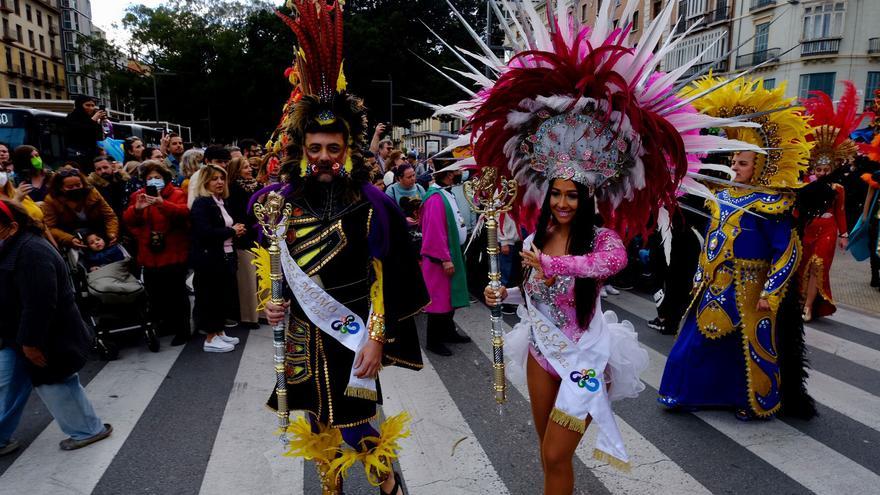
<point x="726" y="353"/>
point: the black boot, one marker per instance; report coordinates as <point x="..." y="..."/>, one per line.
<point x="450" y="334"/>
<point x="436" y="332"/>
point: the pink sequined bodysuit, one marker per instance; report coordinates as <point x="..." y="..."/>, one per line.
<point x="556" y="301"/>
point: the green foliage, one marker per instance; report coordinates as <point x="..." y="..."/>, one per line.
<point x="223" y="61"/>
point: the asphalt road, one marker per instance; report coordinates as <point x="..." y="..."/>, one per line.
<point x="187" y="422"/>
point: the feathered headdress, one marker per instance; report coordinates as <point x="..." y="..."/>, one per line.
<point x="319" y="97"/>
<point x="832" y="127"/>
<point x="782" y="131"/>
<point x="586" y="104"/>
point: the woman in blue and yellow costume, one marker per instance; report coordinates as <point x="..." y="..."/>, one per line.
<point x="732" y="350"/>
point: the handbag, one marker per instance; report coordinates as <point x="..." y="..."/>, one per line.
<point x="157" y="238"/>
<point x="859" y="238"/>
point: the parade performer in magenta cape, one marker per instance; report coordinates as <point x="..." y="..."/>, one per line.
<point x="582" y="121"/>
<point x="821" y="205"/>
<point x="741" y="343"/>
<point x="354" y="284"/>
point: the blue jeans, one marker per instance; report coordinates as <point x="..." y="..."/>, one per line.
<point x="68" y="404"/>
<point x="505" y="265"/>
<point x="15" y="388"/>
<point x="66" y="400"/>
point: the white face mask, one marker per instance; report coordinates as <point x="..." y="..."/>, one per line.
<point x="4" y="178"/>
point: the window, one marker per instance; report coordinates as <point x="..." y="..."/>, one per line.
<point x="40" y="18"/>
<point x="584" y="13"/>
<point x="821" y="81"/>
<point x="21" y="61"/>
<point x="762" y="35"/>
<point x="38" y="95"/>
<point x="31" y="38"/>
<point x="55" y="72"/>
<point x="45" y="70"/>
<point x="17" y="7"/>
<point x="770" y="83"/>
<point x="13" y="90"/>
<point x="824" y="20"/>
<point x="18" y="35"/>
<point x="635" y="26"/>
<point x="25" y="92"/>
<point x="28" y="13"/>
<point x="872" y="85"/>
<point x="42" y="43"/>
<point x="49" y="95"/>
<point x="8" y="58"/>
<point x="34" y="66"/>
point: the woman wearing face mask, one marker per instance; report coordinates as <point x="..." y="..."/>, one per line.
<point x="29" y="170"/>
<point x="242" y="185"/>
<point x="158" y="219"/>
<point x="72" y="205"/>
<point x="213" y="259"/>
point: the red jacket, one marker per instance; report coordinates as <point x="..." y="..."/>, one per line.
<point x="171" y="218"/>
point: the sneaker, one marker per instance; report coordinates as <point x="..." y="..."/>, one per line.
<point x="9" y="448"/>
<point x="218" y="345"/>
<point x="71" y="444"/>
<point x="603" y="292"/>
<point x="228" y="339"/>
<point x="611" y="290"/>
<point x="230" y="323"/>
<point x="656" y="324"/>
<point x="658" y="297"/>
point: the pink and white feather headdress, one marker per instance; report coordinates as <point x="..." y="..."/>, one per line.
<point x="586" y="104"/>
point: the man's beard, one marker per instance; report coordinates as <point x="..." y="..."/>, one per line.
<point x="323" y="172"/>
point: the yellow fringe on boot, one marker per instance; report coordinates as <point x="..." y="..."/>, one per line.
<point x="568" y="421"/>
<point x="322" y="446"/>
<point x="377" y="460"/>
<point x="264" y="270"/>
<point x="611" y="460"/>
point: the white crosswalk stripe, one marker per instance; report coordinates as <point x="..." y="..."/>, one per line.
<point x="443" y="454"/>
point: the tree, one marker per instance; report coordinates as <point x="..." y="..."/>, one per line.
<point x="219" y="64"/>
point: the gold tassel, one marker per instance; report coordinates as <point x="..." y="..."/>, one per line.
<point x="568" y="421"/>
<point x="377" y="460"/>
<point x="362" y="393"/>
<point x="611" y="460"/>
<point x="264" y="287"/>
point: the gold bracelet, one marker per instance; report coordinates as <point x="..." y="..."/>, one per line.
<point x="376" y="326"/>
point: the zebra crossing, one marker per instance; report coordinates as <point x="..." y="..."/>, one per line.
<point x="186" y="422"/>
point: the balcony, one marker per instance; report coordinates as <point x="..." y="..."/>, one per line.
<point x="56" y="54"/>
<point x="753" y="59"/>
<point x="760" y="4"/>
<point x="874" y="46"/>
<point x="718" y="15"/>
<point x="9" y="36"/>
<point x="5" y="8"/>
<point x="823" y="46"/>
<point x="703" y="68"/>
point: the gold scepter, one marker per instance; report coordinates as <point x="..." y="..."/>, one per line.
<point x="272" y="216"/>
<point x="490" y="197"/>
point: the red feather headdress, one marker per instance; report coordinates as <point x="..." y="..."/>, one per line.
<point x="833" y="126"/>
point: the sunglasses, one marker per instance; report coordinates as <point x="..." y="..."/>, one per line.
<point x="69" y="172"/>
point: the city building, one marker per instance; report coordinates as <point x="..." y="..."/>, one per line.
<point x="427" y="136"/>
<point x="832" y="41"/>
<point x="31" y="61"/>
<point x="76" y="28"/>
<point x="711" y="25"/>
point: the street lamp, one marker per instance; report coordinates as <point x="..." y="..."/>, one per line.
<point x="156" y="91"/>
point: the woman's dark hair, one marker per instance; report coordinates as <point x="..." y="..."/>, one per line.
<point x="127" y="147"/>
<point x="19" y="216"/>
<point x="21" y="158"/>
<point x="401" y="169"/>
<point x="580" y="242"/>
<point x="148" y="152"/>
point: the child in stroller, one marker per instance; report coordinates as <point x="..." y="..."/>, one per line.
<point x="111" y="299"/>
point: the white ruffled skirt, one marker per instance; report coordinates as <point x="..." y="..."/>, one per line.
<point x="627" y="361"/>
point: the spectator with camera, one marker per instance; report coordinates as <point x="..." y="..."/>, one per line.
<point x="213" y="259"/>
<point x="158" y="218"/>
<point x="84" y="130"/>
<point x="29" y="170"/>
<point x="43" y="339"/>
<point x="72" y="204"/>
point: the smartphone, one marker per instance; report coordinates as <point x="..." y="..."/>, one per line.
<point x="152" y="191"/>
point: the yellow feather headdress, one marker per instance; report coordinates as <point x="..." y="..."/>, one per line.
<point x="783" y="133"/>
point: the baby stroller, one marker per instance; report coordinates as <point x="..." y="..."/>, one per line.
<point x="112" y="301"/>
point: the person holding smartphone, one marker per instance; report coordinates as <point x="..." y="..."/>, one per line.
<point x="84" y="130"/>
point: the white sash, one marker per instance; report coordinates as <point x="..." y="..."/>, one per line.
<point x="332" y="317"/>
<point x="582" y="392"/>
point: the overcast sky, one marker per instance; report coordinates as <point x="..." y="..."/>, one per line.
<point x="106" y="13"/>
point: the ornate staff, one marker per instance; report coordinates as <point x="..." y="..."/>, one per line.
<point x="490" y="197"/>
<point x="272" y="216"/>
